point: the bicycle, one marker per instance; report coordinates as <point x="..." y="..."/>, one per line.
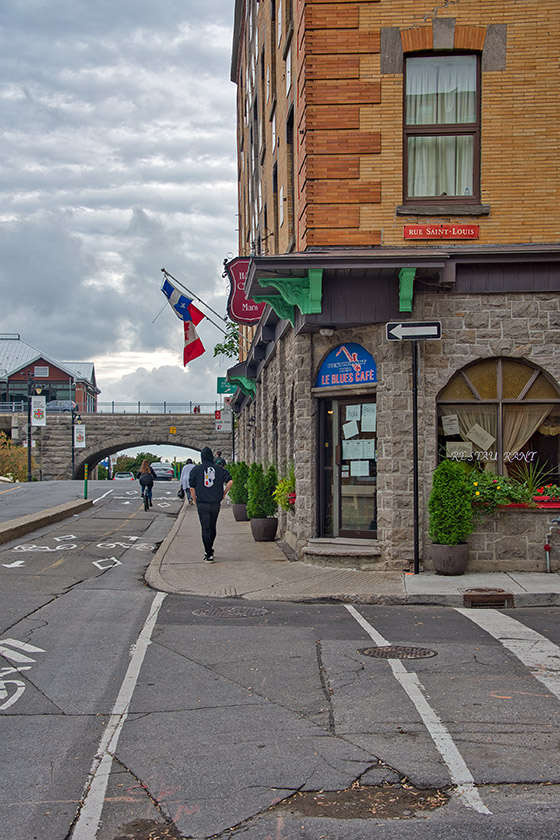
<point x="146" y="497"/>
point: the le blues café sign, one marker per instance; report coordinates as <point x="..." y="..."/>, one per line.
<point x="347" y="364"/>
<point x="241" y="309"/>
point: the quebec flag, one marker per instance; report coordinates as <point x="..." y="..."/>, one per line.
<point x="183" y="306"/>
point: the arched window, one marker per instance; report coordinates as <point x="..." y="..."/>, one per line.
<point x="500" y="413"/>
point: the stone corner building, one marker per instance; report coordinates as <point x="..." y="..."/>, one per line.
<point x="398" y="165"/>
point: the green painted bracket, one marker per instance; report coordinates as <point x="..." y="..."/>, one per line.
<point x="406" y="289"/>
<point x="282" y="309"/>
<point x="304" y="292"/>
<point x="248" y="386"/>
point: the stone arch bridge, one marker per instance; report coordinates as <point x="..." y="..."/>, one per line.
<point x="110" y="433"/>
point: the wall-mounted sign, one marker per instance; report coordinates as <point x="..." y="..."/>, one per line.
<point x="347" y="364"/>
<point x="448" y="231"/>
<point x="240" y="309"/>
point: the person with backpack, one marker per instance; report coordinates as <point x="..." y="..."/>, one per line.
<point x="210" y="483"/>
<point x="146" y="477"/>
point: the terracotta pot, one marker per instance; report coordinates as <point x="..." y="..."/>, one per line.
<point x="450" y="559"/>
<point x="264" y="530"/>
<point x="240" y="512"/>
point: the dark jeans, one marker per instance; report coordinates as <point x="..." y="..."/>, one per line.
<point x="208" y="515"/>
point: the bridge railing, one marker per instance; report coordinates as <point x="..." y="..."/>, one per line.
<point x="156" y="407"/>
<point x="115" y="407"/>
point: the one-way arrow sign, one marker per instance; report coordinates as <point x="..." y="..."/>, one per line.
<point x="416" y="330"/>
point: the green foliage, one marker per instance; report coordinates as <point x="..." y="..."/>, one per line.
<point x="489" y="492"/>
<point x="240" y="473"/>
<point x="286" y="485"/>
<point x="229" y="347"/>
<point x="450" y="505"/>
<point x="260" y="487"/>
<point x="102" y="472"/>
<point x="127" y="463"/>
<point x="13" y="459"/>
<point x="532" y="475"/>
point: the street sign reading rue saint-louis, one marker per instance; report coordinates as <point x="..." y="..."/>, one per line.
<point x="413" y="330"/>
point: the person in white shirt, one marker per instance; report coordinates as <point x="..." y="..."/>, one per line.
<point x="185" y="473"/>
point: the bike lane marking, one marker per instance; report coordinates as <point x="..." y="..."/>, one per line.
<point x="87" y="824"/>
<point x="539" y="654"/>
<point x="460" y="774"/>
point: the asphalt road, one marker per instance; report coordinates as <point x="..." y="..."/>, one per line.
<point x="130" y="714"/>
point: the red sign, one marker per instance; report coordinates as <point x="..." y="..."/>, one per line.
<point x="240" y="309"/>
<point x="448" y="231"/>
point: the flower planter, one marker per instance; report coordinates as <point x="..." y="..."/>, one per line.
<point x="291" y="498"/>
<point x="240" y="512"/>
<point x="264" y="530"/>
<point x="450" y="559"/>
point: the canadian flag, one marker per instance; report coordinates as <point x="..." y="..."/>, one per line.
<point x="193" y="345"/>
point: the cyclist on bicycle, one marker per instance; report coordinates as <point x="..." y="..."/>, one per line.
<point x="146" y="477"/>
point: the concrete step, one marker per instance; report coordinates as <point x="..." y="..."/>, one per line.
<point x="344" y="553"/>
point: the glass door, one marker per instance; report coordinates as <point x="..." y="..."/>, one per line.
<point x="348" y="466"/>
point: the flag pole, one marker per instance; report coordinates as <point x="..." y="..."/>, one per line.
<point x="167" y="274"/>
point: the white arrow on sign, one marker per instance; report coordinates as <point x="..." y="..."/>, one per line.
<point x="400" y="331"/>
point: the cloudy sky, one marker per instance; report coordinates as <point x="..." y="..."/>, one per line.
<point x="117" y="158"/>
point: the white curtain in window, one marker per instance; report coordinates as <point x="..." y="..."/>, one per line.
<point x="520" y="423"/>
<point x="441" y="90"/>
<point x="440" y="165"/>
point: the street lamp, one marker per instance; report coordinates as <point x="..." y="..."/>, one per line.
<point x="32" y="388"/>
<point x="75" y="419"/>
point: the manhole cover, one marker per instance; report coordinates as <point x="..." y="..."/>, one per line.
<point x="397" y="652"/>
<point x="231" y="612"/>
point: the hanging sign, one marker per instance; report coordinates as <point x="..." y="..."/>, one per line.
<point x="79" y="436"/>
<point x="38" y="411"/>
<point x="241" y="309"/>
<point x="347" y="364"/>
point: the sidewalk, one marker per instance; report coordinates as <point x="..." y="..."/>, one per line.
<point x="261" y="571"/>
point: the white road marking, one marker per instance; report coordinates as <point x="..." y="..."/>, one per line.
<point x="539" y="654"/>
<point x="103" y="496"/>
<point x="90" y="814"/>
<point x="109" y="561"/>
<point x="14" y="655"/>
<point x="33" y="547"/>
<point x="16" y="564"/>
<point x="460" y="774"/>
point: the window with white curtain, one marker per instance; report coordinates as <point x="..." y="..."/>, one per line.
<point x="442" y="128"/>
<point x="501" y="414"/>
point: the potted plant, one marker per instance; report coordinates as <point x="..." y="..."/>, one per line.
<point x="285" y="490"/>
<point x="490" y="492"/>
<point x="451" y="518"/>
<point x="238" y="493"/>
<point x="261" y="504"/>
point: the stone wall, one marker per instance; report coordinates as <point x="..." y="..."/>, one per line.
<point x="474" y="327"/>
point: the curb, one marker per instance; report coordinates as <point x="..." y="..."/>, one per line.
<point x="32" y="522"/>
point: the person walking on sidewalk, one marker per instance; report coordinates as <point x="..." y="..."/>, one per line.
<point x="185" y="473"/>
<point x="210" y="483"/>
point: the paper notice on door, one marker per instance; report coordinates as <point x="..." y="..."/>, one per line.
<point x="480" y="437"/>
<point x="359" y="468"/>
<point x="450" y="423"/>
<point x="352" y="450"/>
<point x="368" y="448"/>
<point x="458" y="450"/>
<point x="350" y="429"/>
<point x="353" y="412"/>
<point x="369" y="417"/>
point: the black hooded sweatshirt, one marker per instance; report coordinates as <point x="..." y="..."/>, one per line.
<point x="208" y="478"/>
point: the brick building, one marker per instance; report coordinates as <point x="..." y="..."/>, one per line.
<point x="398" y="164"/>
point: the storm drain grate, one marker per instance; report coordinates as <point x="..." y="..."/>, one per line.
<point x="486" y="597"/>
<point x="397" y="652"/>
<point x="232" y="612"/>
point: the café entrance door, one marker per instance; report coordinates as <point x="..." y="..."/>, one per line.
<point x="348" y="468"/>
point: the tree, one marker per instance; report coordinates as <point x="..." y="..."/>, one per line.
<point x="229" y="347"/>
<point x="13" y="459"/>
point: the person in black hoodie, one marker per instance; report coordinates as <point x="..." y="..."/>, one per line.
<point x="210" y="483"/>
